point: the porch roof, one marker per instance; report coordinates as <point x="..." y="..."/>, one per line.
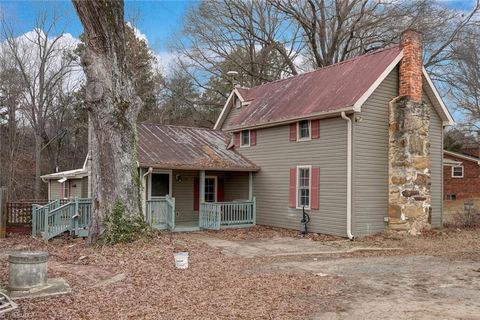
<point x="192" y="148"/>
<point x="69" y="174"/>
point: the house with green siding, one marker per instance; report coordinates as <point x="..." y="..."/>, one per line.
<point x="357" y="145"/>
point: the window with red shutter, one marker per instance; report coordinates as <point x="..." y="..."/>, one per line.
<point x="236" y="139"/>
<point x="293" y="188"/>
<point x="293" y="131"/>
<point x="196" y="194"/>
<point x="315" y="129"/>
<point x="315" y="186"/>
<point x="253" y="137"/>
<point x="221" y="190"/>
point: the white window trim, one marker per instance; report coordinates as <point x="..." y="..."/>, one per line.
<point x="241" y="139"/>
<point x="238" y="103"/>
<point x="215" y="189"/>
<point x="309" y="131"/>
<point x="309" y="187"/>
<point x="169" y="172"/>
<point x="453" y="170"/>
<point x="450" y="196"/>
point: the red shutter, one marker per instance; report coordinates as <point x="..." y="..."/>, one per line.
<point x="253" y="137"/>
<point x="293" y="132"/>
<point x="315" y="129"/>
<point x="315" y="202"/>
<point x="196" y="192"/>
<point x="293" y="188"/>
<point x="236" y="139"/>
<point x="220" y="190"/>
<point x="69" y="188"/>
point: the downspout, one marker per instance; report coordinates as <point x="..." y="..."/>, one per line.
<point x="150" y="170"/>
<point x="349" y="176"/>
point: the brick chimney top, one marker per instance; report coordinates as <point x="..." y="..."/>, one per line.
<point x="411" y="65"/>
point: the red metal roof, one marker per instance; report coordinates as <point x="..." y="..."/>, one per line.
<point x="327" y="89"/>
<point x="176" y="147"/>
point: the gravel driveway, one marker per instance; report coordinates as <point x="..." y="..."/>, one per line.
<point x="398" y="287"/>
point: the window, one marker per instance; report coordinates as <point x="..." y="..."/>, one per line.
<point x="452" y="197"/>
<point x="303" y="187"/>
<point x="245" y="138"/>
<point x="160" y="184"/>
<point x="66" y="189"/>
<point x="210" y="189"/>
<point x="457" y="172"/>
<point x="303" y="130"/>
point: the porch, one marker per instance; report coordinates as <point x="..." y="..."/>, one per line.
<point x="212" y="215"/>
<point x="191" y="200"/>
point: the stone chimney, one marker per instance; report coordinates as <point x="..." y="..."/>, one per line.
<point x="409" y="145"/>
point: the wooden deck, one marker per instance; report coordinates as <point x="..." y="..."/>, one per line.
<point x="74" y="216"/>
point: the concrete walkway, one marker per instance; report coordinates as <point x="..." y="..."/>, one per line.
<point x="282" y="246"/>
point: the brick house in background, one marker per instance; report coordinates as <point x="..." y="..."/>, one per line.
<point x="461" y="181"/>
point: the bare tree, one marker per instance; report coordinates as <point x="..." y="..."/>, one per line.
<point x="242" y="33"/>
<point x="267" y="40"/>
<point x="113" y="109"/>
<point x="464" y="78"/>
<point x="43" y="63"/>
<point x="337" y="30"/>
<point x="11" y="93"/>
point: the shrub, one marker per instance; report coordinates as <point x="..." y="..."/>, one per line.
<point x="467" y="218"/>
<point x="121" y="229"/>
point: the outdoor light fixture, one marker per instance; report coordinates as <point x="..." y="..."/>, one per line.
<point x="178" y="178"/>
<point x="62" y="180"/>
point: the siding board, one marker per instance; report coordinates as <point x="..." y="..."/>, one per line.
<point x="370" y="161"/>
<point x="276" y="154"/>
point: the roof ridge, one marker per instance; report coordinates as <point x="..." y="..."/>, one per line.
<point x="327" y="67"/>
<point x="175" y="126"/>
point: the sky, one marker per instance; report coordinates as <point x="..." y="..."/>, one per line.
<point x="158" y="20"/>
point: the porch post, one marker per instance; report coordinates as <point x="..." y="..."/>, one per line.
<point x="250" y="186"/>
<point x="142" y="191"/>
<point x="201" y="184"/>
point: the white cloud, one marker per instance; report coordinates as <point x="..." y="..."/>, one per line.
<point x="138" y="33"/>
<point x="29" y="53"/>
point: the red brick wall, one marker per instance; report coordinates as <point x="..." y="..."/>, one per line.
<point x="464" y="188"/>
<point x="411" y="66"/>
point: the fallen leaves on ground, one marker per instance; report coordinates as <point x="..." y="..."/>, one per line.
<point x="213" y="287"/>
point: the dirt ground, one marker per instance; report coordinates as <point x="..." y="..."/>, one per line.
<point x="434" y="276"/>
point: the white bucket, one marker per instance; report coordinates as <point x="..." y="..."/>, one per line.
<point x="181" y="260"/>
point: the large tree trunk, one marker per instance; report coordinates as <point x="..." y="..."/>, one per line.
<point x="113" y="109"/>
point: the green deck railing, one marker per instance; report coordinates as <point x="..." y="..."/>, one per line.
<point x="160" y="212"/>
<point x="59" y="216"/>
<point x="216" y="215"/>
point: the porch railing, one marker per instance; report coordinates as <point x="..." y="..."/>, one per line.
<point x="59" y="220"/>
<point x="160" y="212"/>
<point x="39" y="213"/>
<point x="214" y="215"/>
<point x="58" y="216"/>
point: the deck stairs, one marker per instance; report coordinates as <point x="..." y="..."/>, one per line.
<point x="58" y="217"/>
